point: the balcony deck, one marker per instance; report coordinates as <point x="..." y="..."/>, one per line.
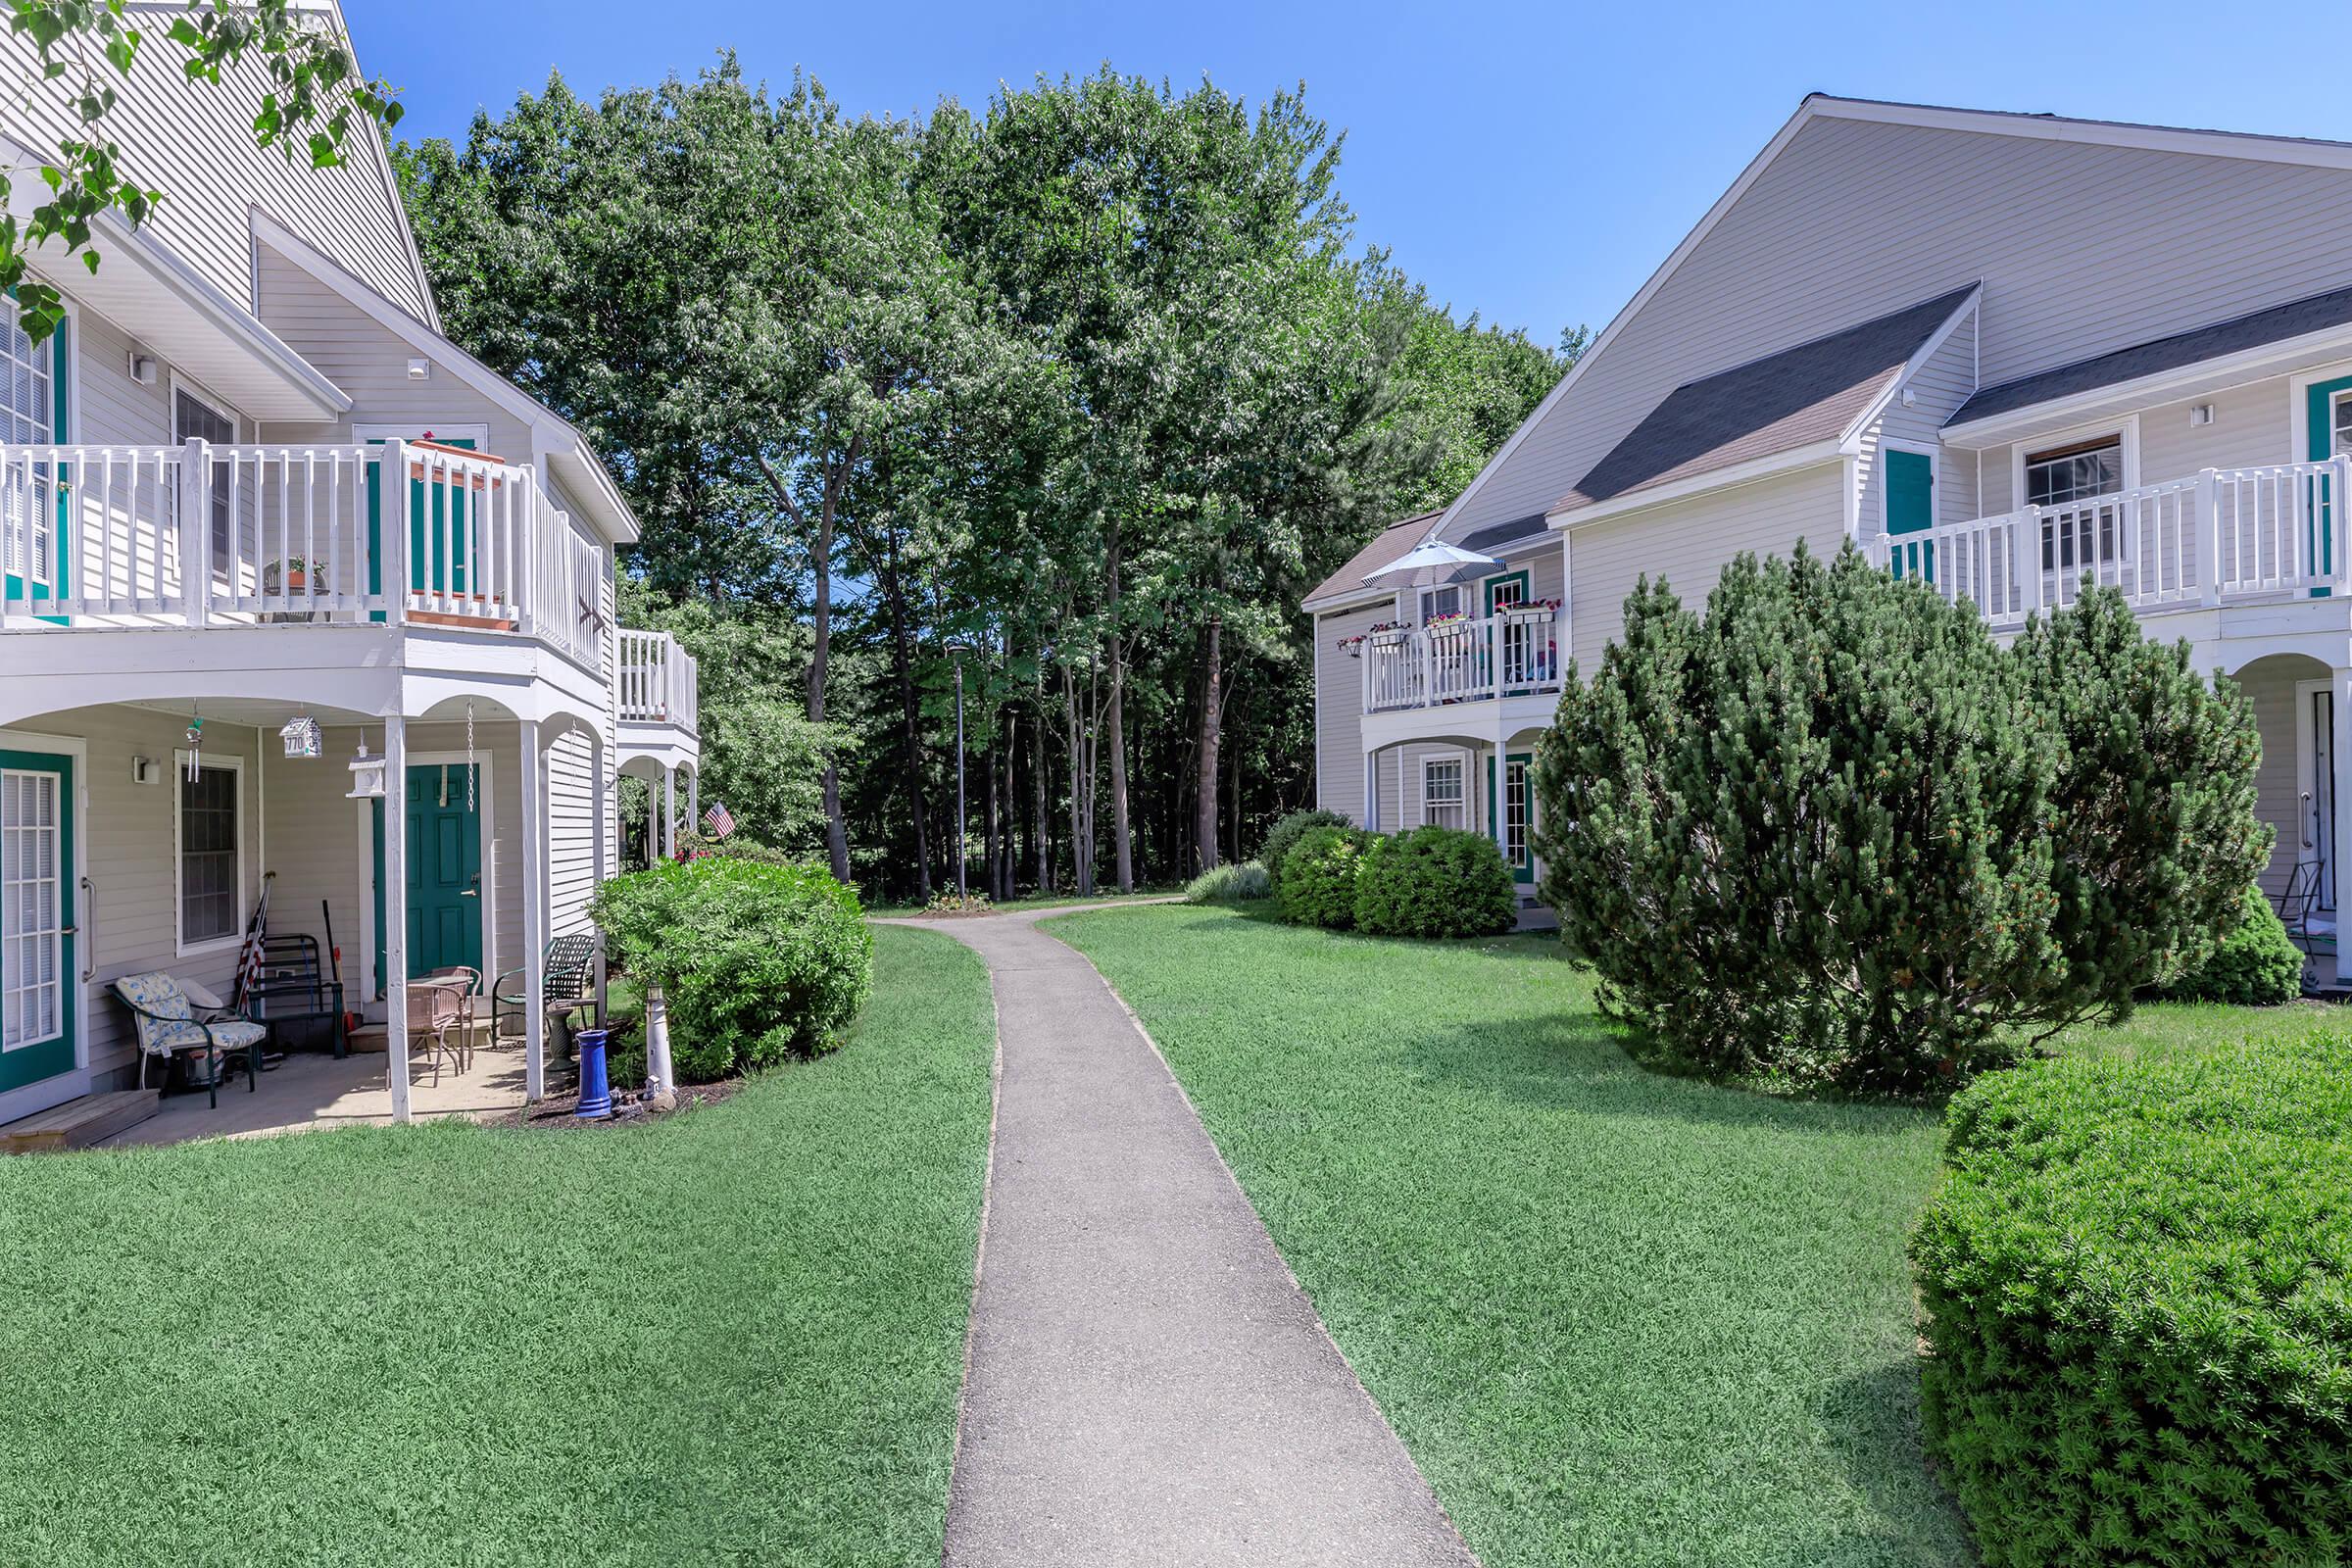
<point x="1513" y="653"/>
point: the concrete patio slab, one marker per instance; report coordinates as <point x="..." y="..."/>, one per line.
<point x="309" y="1091"/>
<point x="1146" y="1382"/>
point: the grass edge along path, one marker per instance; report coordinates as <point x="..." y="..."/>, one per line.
<point x="733" y="1336"/>
<point x="1616" y="1317"/>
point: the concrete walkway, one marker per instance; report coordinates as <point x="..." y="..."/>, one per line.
<point x="1146" y="1383"/>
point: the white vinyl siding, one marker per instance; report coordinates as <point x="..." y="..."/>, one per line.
<point x="1339" y="711"/>
<point x="1856" y="219"/>
<point x="1689" y="542"/>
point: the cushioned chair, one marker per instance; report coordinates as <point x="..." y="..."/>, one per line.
<point x="172" y="1024"/>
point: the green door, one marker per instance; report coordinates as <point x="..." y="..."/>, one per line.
<point x="38" y="979"/>
<point x="2319" y="434"/>
<point x="1517" y="778"/>
<point x="436" y="553"/>
<point x="1910" y="509"/>
<point x="38" y="397"/>
<point x="445" y="873"/>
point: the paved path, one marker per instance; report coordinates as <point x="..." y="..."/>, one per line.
<point x="1147" y="1386"/>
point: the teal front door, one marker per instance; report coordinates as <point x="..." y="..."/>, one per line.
<point x="445" y="871"/>
<point x="2327" y="412"/>
<point x="37" y="973"/>
<point x="1910" y="509"/>
<point x="436" y="534"/>
<point x="1517" y="770"/>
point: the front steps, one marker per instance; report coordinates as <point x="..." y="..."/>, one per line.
<point x="78" y="1123"/>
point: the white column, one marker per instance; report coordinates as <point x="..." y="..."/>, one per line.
<point x="534" y="915"/>
<point x="601" y="756"/>
<point x="2340" y="788"/>
<point x="396" y="907"/>
<point x="669" y="837"/>
<point x="694" y="799"/>
<point x="1500" y="827"/>
<point x="1372" y="790"/>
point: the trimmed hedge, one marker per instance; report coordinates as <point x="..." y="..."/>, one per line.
<point x="1318" y="884"/>
<point x="759" y="961"/>
<point x="1436" y="882"/>
<point x="2255" y="965"/>
<point x="1229" y="884"/>
<point x="1285" y="835"/>
<point x="2138" y="1282"/>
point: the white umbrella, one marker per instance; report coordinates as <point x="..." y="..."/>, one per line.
<point x="1433" y="562"/>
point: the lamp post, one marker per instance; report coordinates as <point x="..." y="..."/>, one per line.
<point x="955" y="652"/>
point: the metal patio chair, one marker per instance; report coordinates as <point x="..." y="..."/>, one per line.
<point x="569" y="986"/>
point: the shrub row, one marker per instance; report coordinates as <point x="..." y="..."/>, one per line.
<point x="759" y="961"/>
<point x="2137" y="1283"/>
<point x="1429" y="882"/>
<point x="1285" y="835"/>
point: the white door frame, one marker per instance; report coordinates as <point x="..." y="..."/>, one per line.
<point x="2305" y="842"/>
<point x="483" y="759"/>
<point x="74" y="1082"/>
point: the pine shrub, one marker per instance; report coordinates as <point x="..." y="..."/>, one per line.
<point x="759" y="961"/>
<point x="2137" y="1286"/>
<point x="1436" y="882"/>
<point x="1229" y="883"/>
<point x="1286" y="833"/>
<point x="2254" y="964"/>
<point x="1831" y="831"/>
<point x="1318" y="886"/>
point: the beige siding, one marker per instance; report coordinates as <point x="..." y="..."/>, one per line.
<point x="195" y="143"/>
<point x="2284" y="720"/>
<point x="2253" y="425"/>
<point x="1855" y="220"/>
<point x="1688" y="544"/>
<point x="356" y="353"/>
<point x="1938" y="389"/>
<point x="1340" y="712"/>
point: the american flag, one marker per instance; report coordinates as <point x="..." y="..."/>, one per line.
<point x="249" y="956"/>
<point x="719" y="820"/>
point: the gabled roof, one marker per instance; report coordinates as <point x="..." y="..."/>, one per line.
<point x="2253" y="330"/>
<point x="1796" y="398"/>
<point x="2249" y="146"/>
<point x="1385" y="546"/>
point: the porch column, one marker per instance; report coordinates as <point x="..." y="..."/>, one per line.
<point x="534" y="915"/>
<point x="670" y="811"/>
<point x="694" y="799"/>
<point x="2340" y="787"/>
<point x="396" y="911"/>
<point x="1499" y="828"/>
<point x="602" y="756"/>
<point x="1372" y="790"/>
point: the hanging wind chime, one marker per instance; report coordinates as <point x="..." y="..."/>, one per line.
<point x="195" y="742"/>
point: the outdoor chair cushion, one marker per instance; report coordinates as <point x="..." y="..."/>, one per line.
<point x="233" y="1034"/>
<point x="174" y="1026"/>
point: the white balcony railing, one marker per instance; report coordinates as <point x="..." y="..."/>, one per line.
<point x="206" y="535"/>
<point x="1508" y="654"/>
<point x="2222" y="536"/>
<point x="659" y="682"/>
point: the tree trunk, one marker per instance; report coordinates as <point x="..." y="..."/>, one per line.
<point x="1080" y="872"/>
<point x="1204" y="806"/>
<point x="1040" y="842"/>
<point x="988" y="823"/>
<point x="1122" y="843"/>
<point x="911" y="713"/>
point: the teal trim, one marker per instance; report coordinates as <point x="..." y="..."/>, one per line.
<point x="32" y="1064"/>
<point x="1910" y="480"/>
<point x="416" y="532"/>
<point x="2319" y="438"/>
<point x="1523" y="865"/>
<point x="1502" y="578"/>
<point x="61" y="402"/>
<point x="444" y="873"/>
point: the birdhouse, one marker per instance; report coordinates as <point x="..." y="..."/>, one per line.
<point x="366" y="776"/>
<point x="302" y="736"/>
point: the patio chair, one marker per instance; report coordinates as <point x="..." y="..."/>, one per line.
<point x="569" y="987"/>
<point x="439" y="1003"/>
<point x="173" y="1022"/>
<point x="295" y="989"/>
<point x="2298" y="904"/>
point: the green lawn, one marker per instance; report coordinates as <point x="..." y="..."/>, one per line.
<point x="1618" y="1318"/>
<point x="733" y="1336"/>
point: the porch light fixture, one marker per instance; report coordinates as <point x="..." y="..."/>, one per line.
<point x="302" y="736"/>
<point x="366" y="776"/>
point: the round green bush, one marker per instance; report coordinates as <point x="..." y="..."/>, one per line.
<point x="1436" y="882"/>
<point x="2255" y="965"/>
<point x="1229" y="884"/>
<point x="1318" y="885"/>
<point x="1285" y="835"/>
<point x="759" y="961"/>
<point x="2137" y="1284"/>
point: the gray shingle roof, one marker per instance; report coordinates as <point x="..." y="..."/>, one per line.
<point x="2252" y="331"/>
<point x="1784" y="401"/>
<point x="1384" y="547"/>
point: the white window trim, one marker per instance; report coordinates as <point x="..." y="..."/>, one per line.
<point x="2124" y="431"/>
<point x="180" y="944"/>
<point x="1935" y="455"/>
<point x="1421" y="612"/>
<point x="2298" y="398"/>
<point x="177" y="383"/>
<point x="1459" y="761"/>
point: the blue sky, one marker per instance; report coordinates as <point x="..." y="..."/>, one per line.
<point x="1532" y="163"/>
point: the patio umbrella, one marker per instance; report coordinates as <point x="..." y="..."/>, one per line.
<point x="1430" y="563"/>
